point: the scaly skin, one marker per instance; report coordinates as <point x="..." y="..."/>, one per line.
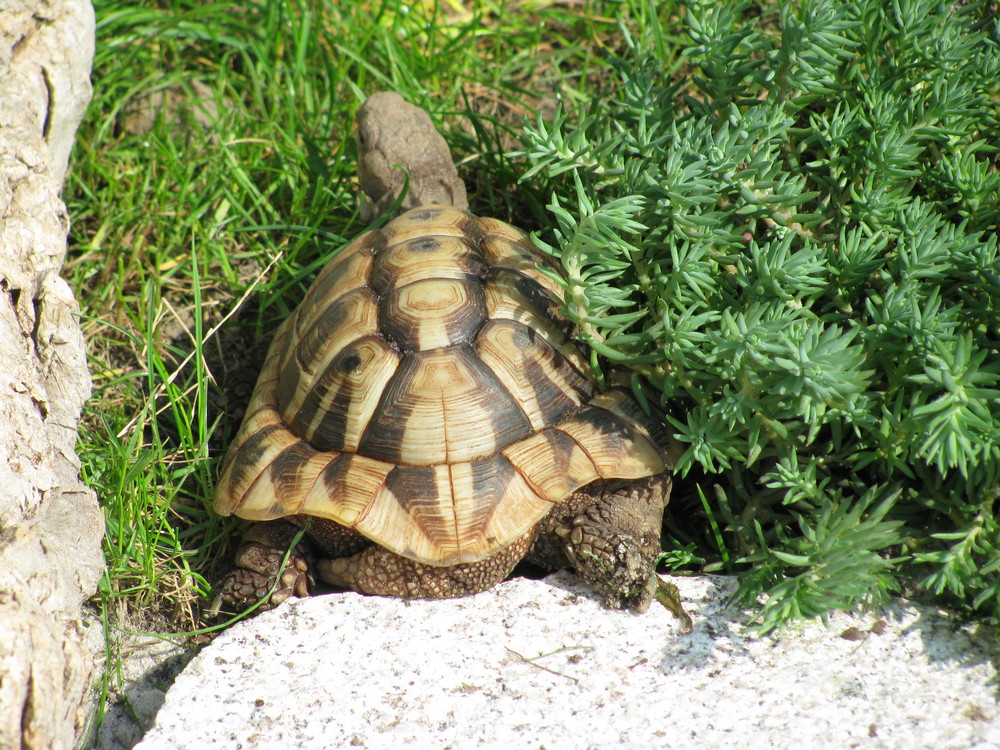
<point x="257" y="568"/>
<point x="378" y="571"/>
<point x="609" y="533"/>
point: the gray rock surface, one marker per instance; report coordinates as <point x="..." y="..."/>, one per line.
<point x="536" y="664"/>
<point x="46" y="49"/>
<point x="50" y="524"/>
<point x="137" y="683"/>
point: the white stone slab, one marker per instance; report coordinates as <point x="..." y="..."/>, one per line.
<point x="539" y="664"/>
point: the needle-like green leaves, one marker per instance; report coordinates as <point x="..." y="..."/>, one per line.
<point x="794" y="239"/>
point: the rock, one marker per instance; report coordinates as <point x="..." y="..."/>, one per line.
<point x="139" y="681"/>
<point x="50" y="523"/>
<point x="542" y="664"/>
<point x="46" y="49"/>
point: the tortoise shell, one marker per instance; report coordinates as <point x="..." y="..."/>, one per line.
<point x="427" y="394"/>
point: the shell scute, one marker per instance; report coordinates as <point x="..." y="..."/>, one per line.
<point x="541" y="380"/>
<point x="337" y="409"/>
<point x="512" y="296"/>
<point x="345" y="273"/>
<point x="426" y="258"/>
<point x="346" y="488"/>
<point x="443" y="406"/>
<point x="433" y="313"/>
<point x="553" y="464"/>
<point x="617" y="447"/>
<point x="353" y="316"/>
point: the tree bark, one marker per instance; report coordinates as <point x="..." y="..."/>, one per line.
<point x="50" y="523"/>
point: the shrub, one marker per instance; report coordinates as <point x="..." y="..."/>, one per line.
<point x="791" y="241"/>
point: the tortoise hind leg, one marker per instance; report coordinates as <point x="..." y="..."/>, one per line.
<point x="378" y="571"/>
<point x="609" y="532"/>
<point x="257" y="567"/>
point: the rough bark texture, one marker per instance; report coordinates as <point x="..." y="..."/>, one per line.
<point x="50" y="523"/>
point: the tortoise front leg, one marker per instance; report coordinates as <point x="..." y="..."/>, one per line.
<point x="378" y="571"/>
<point x="609" y="531"/>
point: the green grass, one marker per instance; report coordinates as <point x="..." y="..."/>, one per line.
<point x="195" y="232"/>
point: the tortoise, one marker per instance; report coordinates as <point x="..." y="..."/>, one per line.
<point x="426" y="416"/>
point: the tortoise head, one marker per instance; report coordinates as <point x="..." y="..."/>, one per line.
<point x="400" y="151"/>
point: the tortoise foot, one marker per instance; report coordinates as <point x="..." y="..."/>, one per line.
<point x="258" y="568"/>
<point x="612" y="539"/>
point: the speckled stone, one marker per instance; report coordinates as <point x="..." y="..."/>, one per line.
<point x="532" y="664"/>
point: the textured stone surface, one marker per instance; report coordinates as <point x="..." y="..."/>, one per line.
<point x="540" y="664"/>
<point x="50" y="525"/>
<point x="144" y="673"/>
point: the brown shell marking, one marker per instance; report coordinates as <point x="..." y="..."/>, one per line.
<point x="443" y="406"/>
<point x="427" y="393"/>
<point x="432" y="313"/>
<point x="424" y="258"/>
